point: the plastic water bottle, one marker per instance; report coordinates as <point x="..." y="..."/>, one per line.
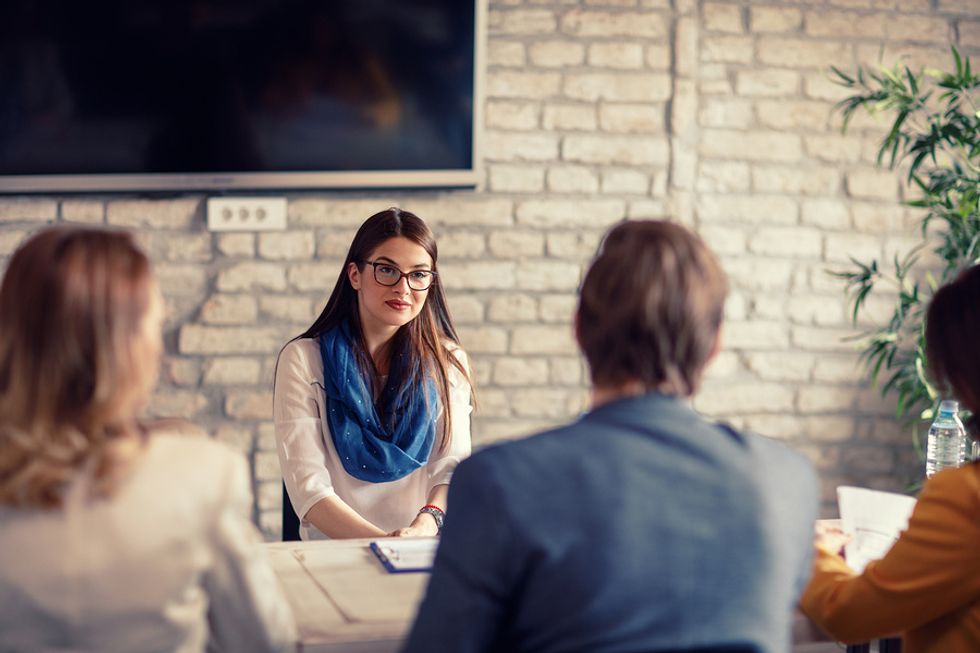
<point x="947" y="440"/>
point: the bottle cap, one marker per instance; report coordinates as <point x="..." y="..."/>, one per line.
<point x="948" y="407"/>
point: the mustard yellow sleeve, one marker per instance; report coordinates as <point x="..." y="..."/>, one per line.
<point x="933" y="568"/>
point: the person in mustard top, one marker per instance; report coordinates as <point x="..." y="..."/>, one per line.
<point x="927" y="587"/>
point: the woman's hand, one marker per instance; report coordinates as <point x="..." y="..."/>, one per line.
<point x="828" y="535"/>
<point x="424" y="525"/>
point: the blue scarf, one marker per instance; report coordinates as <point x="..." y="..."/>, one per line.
<point x="369" y="449"/>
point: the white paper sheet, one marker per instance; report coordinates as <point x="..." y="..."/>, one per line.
<point x="873" y="519"/>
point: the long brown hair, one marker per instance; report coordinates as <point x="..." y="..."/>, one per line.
<point x="953" y="340"/>
<point x="72" y="374"/>
<point x="426" y="338"/>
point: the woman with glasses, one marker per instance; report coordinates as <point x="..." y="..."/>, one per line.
<point x="927" y="587"/>
<point x="372" y="402"/>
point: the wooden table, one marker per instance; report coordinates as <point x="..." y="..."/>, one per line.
<point x="343" y="599"/>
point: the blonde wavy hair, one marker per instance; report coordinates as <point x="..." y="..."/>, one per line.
<point x="75" y="363"/>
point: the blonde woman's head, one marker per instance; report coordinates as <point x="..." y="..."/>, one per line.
<point x="80" y="343"/>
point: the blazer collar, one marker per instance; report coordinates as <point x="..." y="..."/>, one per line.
<point x="641" y="412"/>
<point x="643" y="406"/>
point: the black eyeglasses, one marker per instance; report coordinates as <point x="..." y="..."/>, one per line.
<point x="388" y="275"/>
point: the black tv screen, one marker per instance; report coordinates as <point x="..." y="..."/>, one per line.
<point x="130" y="94"/>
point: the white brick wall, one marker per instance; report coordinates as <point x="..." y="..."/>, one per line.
<point x="717" y="113"/>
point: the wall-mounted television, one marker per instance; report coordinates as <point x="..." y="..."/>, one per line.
<point x="147" y="95"/>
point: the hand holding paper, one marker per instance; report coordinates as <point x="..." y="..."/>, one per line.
<point x="874" y="520"/>
<point x="831" y="536"/>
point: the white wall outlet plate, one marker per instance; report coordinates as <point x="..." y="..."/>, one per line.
<point x="246" y="213"/>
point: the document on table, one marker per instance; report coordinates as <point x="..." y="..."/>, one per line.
<point x="400" y="555"/>
<point x="874" y="520"/>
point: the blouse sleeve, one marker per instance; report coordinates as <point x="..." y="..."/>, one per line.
<point x="443" y="462"/>
<point x="299" y="439"/>
<point x="247" y="608"/>
<point x="933" y="569"/>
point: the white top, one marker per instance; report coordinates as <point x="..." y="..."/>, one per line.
<point x="311" y="468"/>
<point x="147" y="569"/>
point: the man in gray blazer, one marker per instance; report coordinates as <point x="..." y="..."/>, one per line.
<point x="641" y="526"/>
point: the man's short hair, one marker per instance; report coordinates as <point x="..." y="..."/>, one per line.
<point x="650" y="308"/>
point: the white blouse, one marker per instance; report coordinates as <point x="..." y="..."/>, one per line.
<point x="170" y="562"/>
<point x="311" y="468"/>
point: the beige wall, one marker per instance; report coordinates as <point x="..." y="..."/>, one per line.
<point x="716" y="114"/>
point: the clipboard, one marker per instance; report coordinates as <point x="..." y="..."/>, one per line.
<point x="406" y="555"/>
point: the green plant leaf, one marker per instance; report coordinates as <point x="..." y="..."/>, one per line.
<point x="843" y="79"/>
<point x="913" y="84"/>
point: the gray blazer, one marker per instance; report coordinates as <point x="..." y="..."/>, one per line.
<point x="640" y="527"/>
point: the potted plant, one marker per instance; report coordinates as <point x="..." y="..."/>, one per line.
<point x="935" y="131"/>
